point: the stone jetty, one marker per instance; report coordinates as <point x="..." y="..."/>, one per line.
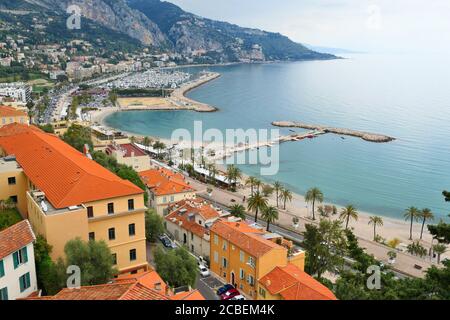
<point x="367" y="136"/>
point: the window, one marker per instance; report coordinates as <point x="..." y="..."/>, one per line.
<point x="110" y="208"/>
<point x="225" y="245"/>
<point x="91" y="236"/>
<point x="13" y="199"/>
<point x="114" y="258"/>
<point x="242" y="274"/>
<point x="251" y="280"/>
<point x="132" y="229"/>
<point x="2" y="269"/>
<point x="224" y="262"/>
<point x="12" y="181"/>
<point x="24" y="282"/>
<point x="133" y="255"/>
<point x="192" y="236"/>
<point x="20" y="257"/>
<point x="216" y="239"/>
<point x="112" y="234"/>
<point x="242" y="256"/>
<point x="172" y="198"/>
<point x="216" y="257"/>
<point x="251" y="262"/>
<point x="262" y="292"/>
<point x="131" y="205"/>
<point x="90" y="212"/>
<point x="4" y="294"/>
<point x="164" y="199"/>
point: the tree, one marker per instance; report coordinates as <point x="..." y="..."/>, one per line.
<point x="439" y="249"/>
<point x="213" y="172"/>
<point x="78" y="136"/>
<point x="94" y="259"/>
<point x="446" y="195"/>
<point x="257" y="203"/>
<point x="159" y="146"/>
<point x="147" y="141"/>
<point x="440" y="232"/>
<point x="238" y="211"/>
<point x="277" y="187"/>
<point x="425" y="215"/>
<point x="233" y="175"/>
<point x="176" y="267"/>
<point x="411" y="214"/>
<point x="267" y="190"/>
<point x="312" y="196"/>
<point x="394" y="243"/>
<point x="325" y="246"/>
<point x="348" y="213"/>
<point x="375" y="221"/>
<point x="270" y="214"/>
<point x="51" y="277"/>
<point x="285" y="196"/>
<point x="154" y="226"/>
<point x="417" y="249"/>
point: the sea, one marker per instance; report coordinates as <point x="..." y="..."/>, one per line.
<point x="401" y="95"/>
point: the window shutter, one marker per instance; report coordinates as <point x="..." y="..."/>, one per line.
<point x="25" y="255"/>
<point x="2" y="269"/>
<point x="27" y="280"/>
<point x="16" y="259"/>
<point x="21" y="283"/>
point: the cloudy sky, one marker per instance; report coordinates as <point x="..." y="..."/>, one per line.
<point x="367" y="25"/>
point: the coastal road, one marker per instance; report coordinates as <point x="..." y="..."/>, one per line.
<point x="405" y="263"/>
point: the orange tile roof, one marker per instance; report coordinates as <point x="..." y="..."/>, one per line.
<point x="6" y="111"/>
<point x="15" y="237"/>
<point x="245" y="237"/>
<point x="125" y="290"/>
<point x="294" y="284"/>
<point x="194" y="295"/>
<point x="150" y="279"/>
<point x="128" y="149"/>
<point x="66" y="176"/>
<point x="165" y="182"/>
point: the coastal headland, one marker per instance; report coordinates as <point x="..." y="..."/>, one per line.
<point x="367" y="136"/>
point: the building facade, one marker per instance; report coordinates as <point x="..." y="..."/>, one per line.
<point x="130" y="155"/>
<point x="241" y="254"/>
<point x="17" y="265"/>
<point x="69" y="196"/>
<point x="17" y="90"/>
<point x="188" y="222"/>
<point x="166" y="188"/>
<point x="10" y="115"/>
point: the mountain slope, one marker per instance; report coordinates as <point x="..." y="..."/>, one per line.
<point x="190" y="33"/>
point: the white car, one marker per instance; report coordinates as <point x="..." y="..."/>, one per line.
<point x="204" y="271"/>
<point x="240" y="297"/>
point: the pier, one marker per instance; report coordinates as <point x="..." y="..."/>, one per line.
<point x="319" y="129"/>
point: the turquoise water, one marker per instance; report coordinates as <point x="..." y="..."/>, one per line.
<point x="402" y="96"/>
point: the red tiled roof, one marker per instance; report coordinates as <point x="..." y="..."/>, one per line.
<point x="66" y="176"/>
<point x="128" y="149"/>
<point x="6" y="111"/>
<point x="15" y="238"/>
<point x="293" y="284"/>
<point x="194" y="295"/>
<point x="245" y="237"/>
<point x="150" y="279"/>
<point x="164" y="182"/>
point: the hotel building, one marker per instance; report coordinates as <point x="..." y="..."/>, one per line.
<point x="65" y="195"/>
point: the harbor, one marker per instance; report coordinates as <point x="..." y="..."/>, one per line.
<point x="320" y="129"/>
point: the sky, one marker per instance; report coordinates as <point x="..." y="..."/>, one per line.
<point x="380" y="26"/>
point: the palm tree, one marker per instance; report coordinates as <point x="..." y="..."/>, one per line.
<point x="277" y="187"/>
<point x="286" y="196"/>
<point x="238" y="211"/>
<point x="258" y="184"/>
<point x="257" y="203"/>
<point x="133" y="139"/>
<point x="312" y="196"/>
<point x="425" y="214"/>
<point x="233" y="174"/>
<point x="147" y="141"/>
<point x="270" y="214"/>
<point x="439" y="249"/>
<point x="347" y="213"/>
<point x="213" y="172"/>
<point x="159" y="146"/>
<point x="411" y="214"/>
<point x="375" y="221"/>
<point x="251" y="182"/>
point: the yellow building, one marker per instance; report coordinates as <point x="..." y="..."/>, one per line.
<point x="13" y="184"/>
<point x="241" y="254"/>
<point x="12" y="115"/>
<point x="166" y="188"/>
<point x="69" y="196"/>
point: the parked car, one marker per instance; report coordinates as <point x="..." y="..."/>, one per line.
<point x="230" y="294"/>
<point x="167" y="242"/>
<point x="224" y="289"/>
<point x="204" y="271"/>
<point x="239" y="297"/>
